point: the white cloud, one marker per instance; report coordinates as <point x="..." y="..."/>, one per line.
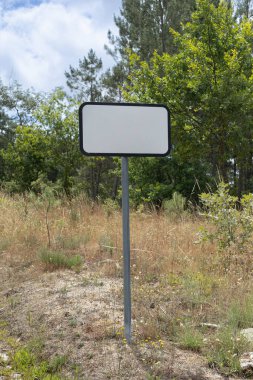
<point x="39" y="42"/>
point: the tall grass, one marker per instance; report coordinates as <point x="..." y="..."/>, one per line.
<point x="177" y="282"/>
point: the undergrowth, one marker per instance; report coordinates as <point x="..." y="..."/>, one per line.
<point x="24" y="361"/>
<point x="195" y="294"/>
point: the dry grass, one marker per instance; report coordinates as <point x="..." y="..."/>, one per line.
<point x="178" y="285"/>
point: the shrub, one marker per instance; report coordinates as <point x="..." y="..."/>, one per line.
<point x="225" y="350"/>
<point x="106" y="244"/>
<point x="58" y="260"/>
<point x="240" y="313"/>
<point x="233" y="227"/>
<point x="190" y="338"/>
<point x="175" y="207"/>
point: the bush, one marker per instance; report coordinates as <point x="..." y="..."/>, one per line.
<point x="233" y="226"/>
<point x="58" y="260"/>
<point x="240" y="313"/>
<point x="225" y="350"/>
<point x="175" y="207"/>
<point x="190" y="338"/>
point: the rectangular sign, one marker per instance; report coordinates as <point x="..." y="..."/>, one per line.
<point x="124" y="129"/>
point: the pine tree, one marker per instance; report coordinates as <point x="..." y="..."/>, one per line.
<point x="85" y="80"/>
<point x="144" y="26"/>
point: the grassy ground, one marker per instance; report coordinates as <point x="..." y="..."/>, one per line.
<point x="186" y="295"/>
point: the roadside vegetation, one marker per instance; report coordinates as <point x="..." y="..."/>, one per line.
<point x="191" y="270"/>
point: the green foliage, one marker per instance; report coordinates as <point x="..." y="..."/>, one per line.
<point x="154" y="179"/>
<point x="233" y="227"/>
<point x="72" y="242"/>
<point x="244" y="8"/>
<point x="197" y="287"/>
<point x="106" y="244"/>
<point x="58" y="116"/>
<point x="16" y="107"/>
<point x="84" y="79"/>
<point x="225" y="349"/>
<point x="190" y="338"/>
<point x="200" y="65"/>
<point x="207" y="86"/>
<point x="25" y="362"/>
<point x="25" y="158"/>
<point x="110" y="207"/>
<point x="56" y="363"/>
<point x="240" y="313"/>
<point x="59" y="260"/>
<point x="36" y="151"/>
<point x="144" y="26"/>
<point x="4" y="243"/>
<point x="175" y="207"/>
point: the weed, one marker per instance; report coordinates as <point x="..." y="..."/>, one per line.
<point x="197" y="288"/>
<point x="225" y="349"/>
<point x="74" y="215"/>
<point x="233" y="227"/>
<point x="172" y="279"/>
<point x="190" y="338"/>
<point x="176" y="285"/>
<point x="63" y="291"/>
<point x="72" y="322"/>
<point x="72" y="242"/>
<point x="91" y="281"/>
<point x="56" y="364"/>
<point x="4" y="244"/>
<point x="14" y="301"/>
<point x="24" y="362"/>
<point x="106" y="244"/>
<point x="153" y="377"/>
<point x="59" y="260"/>
<point x="175" y="207"/>
<point x="240" y="313"/>
<point x="29" y="318"/>
<point x="110" y="207"/>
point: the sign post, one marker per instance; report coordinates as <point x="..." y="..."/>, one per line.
<point x="126" y="249"/>
<point x="125" y="130"/>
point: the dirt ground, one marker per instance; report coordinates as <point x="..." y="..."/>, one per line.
<point x="79" y="316"/>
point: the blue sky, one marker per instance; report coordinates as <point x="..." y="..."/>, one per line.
<point x="39" y="39"/>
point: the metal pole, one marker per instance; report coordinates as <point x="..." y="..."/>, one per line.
<point x="126" y="249"/>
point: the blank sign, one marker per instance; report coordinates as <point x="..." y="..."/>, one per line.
<point x="124" y="129"/>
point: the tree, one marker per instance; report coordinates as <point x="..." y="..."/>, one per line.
<point x="90" y="85"/>
<point x="84" y="80"/>
<point x="244" y="8"/>
<point x="57" y="115"/>
<point x="16" y="107"/>
<point x="48" y="147"/>
<point x="155" y="179"/>
<point x="208" y="88"/>
<point x="144" y="26"/>
<point x="25" y="158"/>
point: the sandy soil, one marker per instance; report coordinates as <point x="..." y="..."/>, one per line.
<point x="80" y="315"/>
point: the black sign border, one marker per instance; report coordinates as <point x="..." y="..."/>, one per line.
<point x="122" y="154"/>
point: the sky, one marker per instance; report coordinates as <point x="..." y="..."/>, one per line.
<point x="39" y="39"/>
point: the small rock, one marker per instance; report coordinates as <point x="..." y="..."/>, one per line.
<point x="4" y="357"/>
<point x="16" y="376"/>
<point x="248" y="334"/>
<point x="246" y="361"/>
<point x="210" y="325"/>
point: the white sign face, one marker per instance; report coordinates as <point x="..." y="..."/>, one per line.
<point x="124" y="129"/>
